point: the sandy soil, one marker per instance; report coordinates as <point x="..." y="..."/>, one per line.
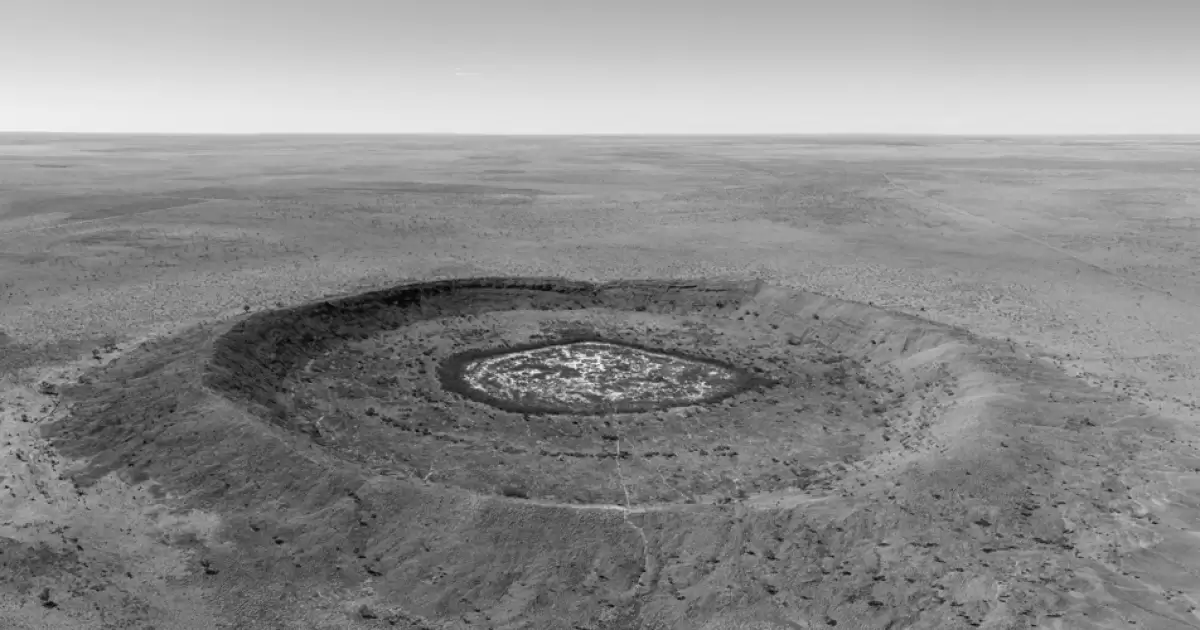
<point x="1078" y="255"/>
<point x="113" y="554"/>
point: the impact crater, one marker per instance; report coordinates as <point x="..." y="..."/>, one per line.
<point x="638" y="392"/>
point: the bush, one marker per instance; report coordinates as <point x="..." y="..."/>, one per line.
<point x="514" y="491"/>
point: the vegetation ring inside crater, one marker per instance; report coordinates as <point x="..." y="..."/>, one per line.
<point x="597" y="376"/>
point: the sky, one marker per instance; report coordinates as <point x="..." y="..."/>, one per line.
<point x="967" y="67"/>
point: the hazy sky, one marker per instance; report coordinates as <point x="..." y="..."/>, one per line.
<point x="601" y="66"/>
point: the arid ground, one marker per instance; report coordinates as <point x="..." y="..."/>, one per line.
<point x="223" y="403"/>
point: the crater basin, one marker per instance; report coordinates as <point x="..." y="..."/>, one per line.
<point x="591" y="377"/>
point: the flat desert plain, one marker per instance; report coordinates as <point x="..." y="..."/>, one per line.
<point x="968" y="398"/>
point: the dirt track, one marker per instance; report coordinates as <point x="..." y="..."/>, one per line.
<point x="1030" y="498"/>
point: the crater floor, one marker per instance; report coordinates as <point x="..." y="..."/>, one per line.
<point x="590" y="377"/>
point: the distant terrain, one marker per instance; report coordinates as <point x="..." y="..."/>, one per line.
<point x="1046" y="475"/>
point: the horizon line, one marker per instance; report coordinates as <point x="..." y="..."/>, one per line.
<point x="839" y="134"/>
